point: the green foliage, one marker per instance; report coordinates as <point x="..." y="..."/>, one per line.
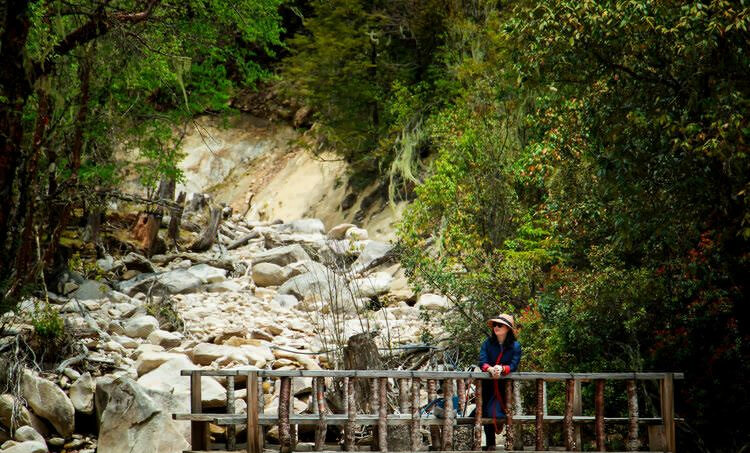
<point x="47" y="323"/>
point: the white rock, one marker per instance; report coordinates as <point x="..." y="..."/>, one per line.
<point x="433" y="302"/>
<point x="28" y="433"/>
<point x="373" y="285"/>
<point x="22" y="418"/>
<point x="373" y="252"/>
<point x="126" y="342"/>
<point x="208" y="274"/>
<point x="28" y="447"/>
<point x="167" y="378"/>
<point x="82" y="394"/>
<point x="164" y="338"/>
<point x="149" y="361"/>
<point x="339" y="231"/>
<point x="356" y="234"/>
<point x="269" y="274"/>
<point x="49" y="402"/>
<point x="91" y="289"/>
<point x="304" y="226"/>
<point x="179" y="281"/>
<point x="141" y="326"/>
<point x="281" y="256"/>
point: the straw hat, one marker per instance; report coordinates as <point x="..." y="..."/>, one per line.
<point x="504" y="319"/>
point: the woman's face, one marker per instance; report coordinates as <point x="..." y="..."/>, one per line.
<point x="500" y="329"/>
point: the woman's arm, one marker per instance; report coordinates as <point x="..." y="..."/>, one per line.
<point x="483" y="359"/>
<point x="516" y="358"/>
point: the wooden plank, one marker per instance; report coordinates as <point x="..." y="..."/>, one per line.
<point x="448" y="415"/>
<point x="396" y="374"/>
<point x="320" y="432"/>
<point x="510" y="430"/>
<point x="540" y="414"/>
<point x="383" y="415"/>
<point x="254" y="444"/>
<point x="231" y="429"/>
<point x="403" y="395"/>
<point x="478" y="415"/>
<point x="285" y="437"/>
<point x="415" y="436"/>
<point x="198" y="429"/>
<point x="435" y="451"/>
<point x="461" y="389"/>
<point x="599" y="411"/>
<point x="667" y="412"/>
<point x="633" y="443"/>
<point x="261" y="411"/>
<point x="570" y="440"/>
<point x="351" y="413"/>
<point x="577" y="412"/>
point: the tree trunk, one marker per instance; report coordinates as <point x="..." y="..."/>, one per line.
<point x="209" y="233"/>
<point x="175" y="218"/>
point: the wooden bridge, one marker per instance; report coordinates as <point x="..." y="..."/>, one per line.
<point x="410" y="384"/>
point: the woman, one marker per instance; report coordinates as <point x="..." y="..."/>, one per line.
<point x="499" y="356"/>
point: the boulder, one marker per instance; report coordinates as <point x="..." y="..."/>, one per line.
<point x="179" y="281"/>
<point x="207" y="353"/>
<point x="149" y="361"/>
<point x="27" y="433"/>
<point x="48" y="401"/>
<point x="208" y="274"/>
<point x="167" y="378"/>
<point x="356" y="234"/>
<point x="91" y="290"/>
<point x="281" y="256"/>
<point x="27" y="447"/>
<point x="132" y="418"/>
<point x="303" y="226"/>
<point x="141" y="326"/>
<point x="23" y="418"/>
<point x="433" y="302"/>
<point x="164" y="338"/>
<point x="339" y="231"/>
<point x="373" y="253"/>
<point x="82" y="394"/>
<point x="269" y="274"/>
<point x="373" y="285"/>
<point x="134" y="261"/>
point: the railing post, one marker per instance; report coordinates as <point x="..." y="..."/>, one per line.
<point x="633" y="442"/>
<point x="254" y="444"/>
<point x="599" y="414"/>
<point x="383" y="414"/>
<point x="415" y="425"/>
<point x="231" y="431"/>
<point x="461" y="389"/>
<point x="478" y="414"/>
<point x="448" y="415"/>
<point x="667" y="411"/>
<point x="285" y="437"/>
<point x="351" y="413"/>
<point x="198" y="430"/>
<point x="570" y="438"/>
<point x="403" y="395"/>
<point x="510" y="429"/>
<point x="577" y="410"/>
<point x="434" y="429"/>
<point x="320" y="433"/>
<point x="540" y="414"/>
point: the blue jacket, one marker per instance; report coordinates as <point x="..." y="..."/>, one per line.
<point x="491" y="350"/>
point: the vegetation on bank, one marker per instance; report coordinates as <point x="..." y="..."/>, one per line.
<point x="582" y="164"/>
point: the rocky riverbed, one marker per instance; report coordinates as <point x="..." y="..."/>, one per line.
<point x="268" y="295"/>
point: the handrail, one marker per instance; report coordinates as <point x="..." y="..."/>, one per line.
<point x="403" y="374"/>
<point x="410" y="414"/>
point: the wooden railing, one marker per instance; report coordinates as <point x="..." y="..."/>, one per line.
<point x="409" y="383"/>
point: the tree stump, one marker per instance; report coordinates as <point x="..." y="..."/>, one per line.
<point x="209" y="233"/>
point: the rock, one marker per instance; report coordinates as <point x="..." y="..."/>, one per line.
<point x="179" y="281"/>
<point x="27" y="433"/>
<point x="165" y="339"/>
<point x="134" y="261"/>
<point x="23" y="417"/>
<point x="132" y="419"/>
<point x="372" y="285"/>
<point x="356" y="234"/>
<point x="303" y="226"/>
<point x="28" y="447"/>
<point x="82" y="394"/>
<point x="339" y="231"/>
<point x="141" y="326"/>
<point x="91" y="290"/>
<point x="227" y="286"/>
<point x="125" y="342"/>
<point x="207" y="353"/>
<point x="149" y="361"/>
<point x="130" y="274"/>
<point x="208" y="274"/>
<point x="281" y="256"/>
<point x="373" y="253"/>
<point x="106" y="264"/>
<point x="269" y="274"/>
<point x="49" y="402"/>
<point x="433" y="302"/>
<point x="167" y="378"/>
<point x="320" y="285"/>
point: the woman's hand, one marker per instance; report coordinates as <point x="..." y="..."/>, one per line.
<point x="495" y="371"/>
